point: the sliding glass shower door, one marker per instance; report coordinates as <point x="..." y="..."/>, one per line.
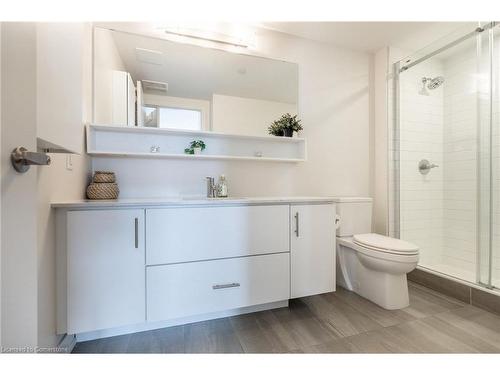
<point x="447" y="159"/>
<point x="488" y="158"/>
<point x="494" y="258"/>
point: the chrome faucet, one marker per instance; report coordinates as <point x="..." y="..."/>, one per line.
<point x="211" y="187"/>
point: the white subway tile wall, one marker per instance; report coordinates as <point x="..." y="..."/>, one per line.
<point x="460" y="162"/>
<point x="421" y="136"/>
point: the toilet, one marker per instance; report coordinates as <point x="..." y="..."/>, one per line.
<point x="369" y="264"/>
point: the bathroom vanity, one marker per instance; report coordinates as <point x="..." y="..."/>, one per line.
<point x="131" y="265"/>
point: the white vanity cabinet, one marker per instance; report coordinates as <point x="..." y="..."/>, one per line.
<point x="312" y="249"/>
<point x="105" y="269"/>
<point x="124" y="267"/>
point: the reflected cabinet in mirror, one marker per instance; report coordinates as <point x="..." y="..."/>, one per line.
<point x="152" y="82"/>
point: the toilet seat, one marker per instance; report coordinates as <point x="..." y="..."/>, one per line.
<point x="384" y="244"/>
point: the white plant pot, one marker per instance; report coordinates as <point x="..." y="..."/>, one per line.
<point x="197" y="150"/>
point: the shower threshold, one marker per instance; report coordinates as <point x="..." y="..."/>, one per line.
<point x="450" y="271"/>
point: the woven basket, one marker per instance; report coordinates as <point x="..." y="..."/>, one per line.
<point x="103" y="191"/>
<point x="103" y="176"/>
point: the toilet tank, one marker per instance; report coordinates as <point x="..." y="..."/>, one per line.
<point x="355" y="215"/>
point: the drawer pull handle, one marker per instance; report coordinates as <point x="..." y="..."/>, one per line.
<point x="225" y="286"/>
<point x="296" y="224"/>
<point x="136" y="238"/>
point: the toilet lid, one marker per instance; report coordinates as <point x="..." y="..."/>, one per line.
<point x="383" y="243"/>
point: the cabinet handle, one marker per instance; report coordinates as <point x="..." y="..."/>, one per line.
<point x="136" y="226"/>
<point x="296" y="224"/>
<point x="225" y="286"/>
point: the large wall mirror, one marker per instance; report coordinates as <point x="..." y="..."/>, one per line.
<point x="153" y="82"/>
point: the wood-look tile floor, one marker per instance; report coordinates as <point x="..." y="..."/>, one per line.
<point x="339" y="322"/>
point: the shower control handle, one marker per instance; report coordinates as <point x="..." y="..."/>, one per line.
<point x="424" y="166"/>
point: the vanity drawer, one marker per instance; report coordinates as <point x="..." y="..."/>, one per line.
<point x="182" y="290"/>
<point x="176" y="235"/>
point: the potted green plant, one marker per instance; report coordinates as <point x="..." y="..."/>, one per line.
<point x="285" y="125"/>
<point x="276" y="129"/>
<point x="196" y="147"/>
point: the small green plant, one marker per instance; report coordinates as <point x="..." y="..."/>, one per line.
<point x="198" y="144"/>
<point x="285" y="125"/>
<point x="276" y="129"/>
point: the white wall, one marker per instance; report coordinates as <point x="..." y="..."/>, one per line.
<point x="232" y="114"/>
<point x="56" y="183"/>
<point x="334" y="108"/>
<point x="58" y="117"/>
<point x="381" y="144"/>
<point x="107" y="59"/>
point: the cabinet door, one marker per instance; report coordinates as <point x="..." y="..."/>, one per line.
<point x="106" y="271"/>
<point x="312" y="249"/>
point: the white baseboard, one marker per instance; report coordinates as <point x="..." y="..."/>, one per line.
<point x="175" y="322"/>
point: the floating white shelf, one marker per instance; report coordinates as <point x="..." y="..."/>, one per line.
<point x="136" y="142"/>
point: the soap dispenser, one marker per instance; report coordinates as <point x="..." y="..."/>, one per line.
<point x="222" y="187"/>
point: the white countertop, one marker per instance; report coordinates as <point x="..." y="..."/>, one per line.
<point x="188" y="201"/>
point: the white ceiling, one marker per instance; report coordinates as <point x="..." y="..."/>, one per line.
<point x="360" y="36"/>
<point x="369" y="36"/>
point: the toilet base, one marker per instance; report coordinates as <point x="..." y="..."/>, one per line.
<point x="382" y="281"/>
<point x="386" y="290"/>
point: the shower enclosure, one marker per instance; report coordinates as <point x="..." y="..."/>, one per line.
<point x="444" y="154"/>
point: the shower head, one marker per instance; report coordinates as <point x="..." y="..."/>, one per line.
<point x="431" y="84"/>
<point x="434" y="83"/>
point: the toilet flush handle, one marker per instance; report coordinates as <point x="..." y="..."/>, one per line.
<point x="337" y="221"/>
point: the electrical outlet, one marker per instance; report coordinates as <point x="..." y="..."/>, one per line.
<point x="69" y="163"/>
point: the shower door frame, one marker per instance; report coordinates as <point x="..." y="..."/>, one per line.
<point x="394" y="182"/>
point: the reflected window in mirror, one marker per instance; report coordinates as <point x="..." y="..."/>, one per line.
<point x="179" y="118"/>
<point x="150" y="116"/>
<point x="172" y="118"/>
